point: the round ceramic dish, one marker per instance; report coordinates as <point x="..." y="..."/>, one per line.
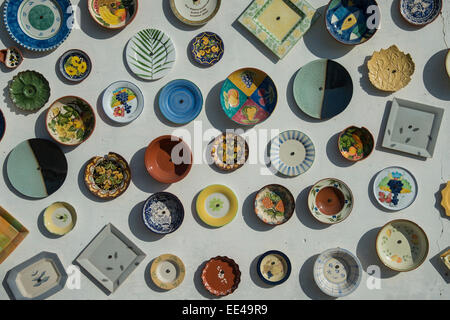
<point x="395" y="188"/>
<point x="292" y="153"/>
<point x="221" y="276"/>
<point x="445" y="202"/>
<point x="337" y="272"/>
<point x="323" y="89"/>
<point x="194" y="12"/>
<point x="355" y="143"/>
<point x="123" y="102"/>
<point x="229" y="151"/>
<point x="167" y="271"/>
<point x="402" y="245"/>
<point x="330" y="201"/>
<point x="2" y="125"/>
<point x="248" y="96"/>
<point x="217" y="205"/>
<point x="60" y="218"/>
<point x="160" y="163"/>
<point x="163" y="213"/>
<point x="274" y="204"/>
<point x="107" y="177"/>
<point x="11" y="57"/>
<point x="38" y="25"/>
<point x="75" y="65"/>
<point x="37" y="168"/>
<point x="420" y="12"/>
<point x="70" y="120"/>
<point x="207" y="48"/>
<point x="447" y="63"/>
<point x="150" y="54"/>
<point x="113" y="14"/>
<point x="273" y="267"/>
<point x="29" y="90"/>
<point x="180" y="101"/>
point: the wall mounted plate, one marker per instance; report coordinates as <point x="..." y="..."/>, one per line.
<point x="113" y="14"/>
<point x="229" y="151"/>
<point x="273" y="267"/>
<point x="2" y="125"/>
<point x="75" y="65"/>
<point x="445" y="202"/>
<point x="221" y="276"/>
<point x="11" y="57"/>
<point x="274" y="204"/>
<point x="217" y="205"/>
<point x="12" y="233"/>
<point x="447" y="63"/>
<point x="420" y="12"/>
<point x="163" y="213"/>
<point x="167" y="271"/>
<point x="195" y="12"/>
<point x="29" y="90"/>
<point x="445" y="258"/>
<point x="60" y="218"/>
<point x="207" y="48"/>
<point x="356" y="144"/>
<point x="123" y="102"/>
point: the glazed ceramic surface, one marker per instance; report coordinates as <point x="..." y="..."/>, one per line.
<point x="163" y="213"/>
<point x="123" y="102"/>
<point x="29" y="90"/>
<point x="195" y="12"/>
<point x="273" y="267"/>
<point x="330" y="201"/>
<point x="75" y="65"/>
<point x="110" y="258"/>
<point x="150" y="54"/>
<point x="248" y="96"/>
<point x="337" y="272"/>
<point x="292" y="153"/>
<point x="323" y="89"/>
<point x="217" y="205"/>
<point x="180" y="101"/>
<point x="113" y="14"/>
<point x="2" y="125"/>
<point x="274" y="204"/>
<point x="38" y="25"/>
<point x="395" y="188"/>
<point x="37" y="278"/>
<point x="221" y="276"/>
<point x="60" y="218"/>
<point x="402" y="245"/>
<point x="207" y="48"/>
<point x="445" y="202"/>
<point x="445" y="257"/>
<point x="229" y="151"/>
<point x="279" y="24"/>
<point x="356" y="143"/>
<point x="11" y="57"/>
<point x="167" y="271"/>
<point x="447" y="63"/>
<point x="12" y="233"/>
<point x="413" y="128"/>
<point x="420" y="12"/>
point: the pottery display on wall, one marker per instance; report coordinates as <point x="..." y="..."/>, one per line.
<point x="216" y="205"/>
<point x="229" y="151"/>
<point x="75" y="65"/>
<point x="221" y="276"/>
<point x="29" y="90"/>
<point x="163" y="213"/>
<point x="113" y="14"/>
<point x="12" y="233"/>
<point x="355" y="143"/>
<point x="167" y="271"/>
<point x="420" y="12"/>
<point x="195" y="12"/>
<point x="207" y="48"/>
<point x="445" y="202"/>
<point x="123" y="102"/>
<point x="60" y="218"/>
<point x="273" y="267"/>
<point x="2" y="125"/>
<point x="11" y="57"/>
<point x="274" y="204"/>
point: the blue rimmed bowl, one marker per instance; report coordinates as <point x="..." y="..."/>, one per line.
<point x="207" y="48"/>
<point x="163" y="213"/>
<point x="420" y="12"/>
<point x="273" y="267"/>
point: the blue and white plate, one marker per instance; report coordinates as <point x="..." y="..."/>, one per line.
<point x="420" y="12"/>
<point x="38" y="25"/>
<point x="163" y="213"/>
<point x="292" y="153"/>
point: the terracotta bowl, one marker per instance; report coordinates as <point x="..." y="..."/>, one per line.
<point x="355" y="143"/>
<point x="159" y="162"/>
<point x="221" y="276"/>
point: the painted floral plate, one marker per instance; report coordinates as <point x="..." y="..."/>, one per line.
<point x="75" y="65"/>
<point x="60" y="218"/>
<point x="2" y="125"/>
<point x="123" y="102"/>
<point x="229" y="151"/>
<point x="29" y="90"/>
<point x="195" y="12"/>
<point x="217" y="205"/>
<point x="12" y="233"/>
<point x="163" y="213"/>
<point x="113" y="14"/>
<point x="11" y="57"/>
<point x="221" y="276"/>
<point x="445" y="202"/>
<point x="355" y="143"/>
<point x="420" y="12"/>
<point x="273" y="267"/>
<point x="274" y="204"/>
<point x="207" y="48"/>
<point x="167" y="271"/>
<point x="402" y="245"/>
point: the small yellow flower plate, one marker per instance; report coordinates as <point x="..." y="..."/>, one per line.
<point x="217" y="205"/>
<point x="167" y="271"/>
<point x="75" y="65"/>
<point x="60" y="218"/>
<point x="207" y="48"/>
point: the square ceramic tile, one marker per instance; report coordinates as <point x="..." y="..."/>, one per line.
<point x="12" y="233"/>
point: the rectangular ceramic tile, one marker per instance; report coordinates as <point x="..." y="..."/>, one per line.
<point x="12" y="232"/>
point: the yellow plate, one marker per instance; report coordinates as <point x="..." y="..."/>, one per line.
<point x="60" y="218"/>
<point x="217" y="205"/>
<point x="167" y="271"/>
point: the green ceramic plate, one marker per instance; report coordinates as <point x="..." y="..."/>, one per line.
<point x="29" y="90"/>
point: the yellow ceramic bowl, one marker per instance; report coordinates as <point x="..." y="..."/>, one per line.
<point x="60" y="218"/>
<point x="217" y="205"/>
<point x="167" y="271"/>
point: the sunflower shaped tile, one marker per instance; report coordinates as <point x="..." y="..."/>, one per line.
<point x="445" y="203"/>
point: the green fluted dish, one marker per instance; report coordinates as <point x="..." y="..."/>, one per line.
<point x="29" y="90"/>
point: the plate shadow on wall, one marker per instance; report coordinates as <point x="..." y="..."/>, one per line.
<point x="254" y="274"/>
<point x="174" y="20"/>
<point x="438" y="198"/>
<point x="307" y="283"/>
<point x="250" y="217"/>
<point x="435" y="77"/>
<point x="334" y="155"/>
<point x="148" y="278"/>
<point x="365" y="83"/>
<point x="199" y="284"/>
<point x="303" y="213"/>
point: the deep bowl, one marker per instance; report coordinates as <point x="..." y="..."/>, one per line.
<point x="109" y="15"/>
<point x="355" y="143"/>
<point x="163" y="213"/>
<point x="274" y="204"/>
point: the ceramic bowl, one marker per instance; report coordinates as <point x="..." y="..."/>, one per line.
<point x="402" y="245"/>
<point x="355" y="143"/>
<point x="274" y="204"/>
<point x="221" y="276"/>
<point x="420" y="12"/>
<point x="11" y="57"/>
<point x="123" y="102"/>
<point x="337" y="272"/>
<point x="160" y="163"/>
<point x="445" y="202"/>
<point x="70" y="120"/>
<point x="217" y="205"/>
<point x="113" y="14"/>
<point x="163" y="213"/>
<point x="195" y="12"/>
<point x="229" y="151"/>
<point x="29" y="90"/>
<point x="273" y="267"/>
<point x="207" y="48"/>
<point x="447" y="63"/>
<point x="75" y="65"/>
<point x="167" y="271"/>
<point x="60" y="218"/>
<point x="2" y="125"/>
<point x="330" y="201"/>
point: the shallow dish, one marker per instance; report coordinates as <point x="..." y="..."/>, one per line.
<point x="217" y="205"/>
<point x="12" y="233"/>
<point x="11" y="57"/>
<point x="420" y="12"/>
<point x="29" y="90"/>
<point x="113" y="14"/>
<point x="123" y="102"/>
<point x="195" y="12"/>
<point x="221" y="276"/>
<point x="445" y="202"/>
<point x="445" y="258"/>
<point x="207" y="48"/>
<point x="274" y="204"/>
<point x="273" y="267"/>
<point x="163" y="213"/>
<point x="229" y="151"/>
<point x="167" y="271"/>
<point x="75" y="65"/>
<point x="2" y="125"/>
<point x="355" y="143"/>
<point x="60" y="218"/>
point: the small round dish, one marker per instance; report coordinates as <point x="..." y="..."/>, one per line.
<point x="75" y="65"/>
<point x="395" y="188"/>
<point x="273" y="267"/>
<point x="195" y="12"/>
<point x="2" y="125"/>
<point x="420" y="12"/>
<point x="355" y="143"/>
<point x="70" y="120"/>
<point x="337" y="272"/>
<point x="160" y="162"/>
<point x="207" y="48"/>
<point x="113" y="14"/>
<point x="167" y="271"/>
<point x="29" y="90"/>
<point x="163" y="213"/>
<point x="274" y="204"/>
<point x="60" y="218"/>
<point x="292" y="153"/>
<point x="402" y="245"/>
<point x="123" y="102"/>
<point x="11" y="57"/>
<point x="248" y="96"/>
<point x="180" y="101"/>
<point x="221" y="276"/>
<point x="447" y="63"/>
<point x="217" y="205"/>
<point x="445" y="202"/>
<point x="330" y="201"/>
<point x="107" y="177"/>
<point x="229" y="151"/>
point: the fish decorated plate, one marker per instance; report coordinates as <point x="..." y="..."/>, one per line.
<point x="207" y="48"/>
<point x="163" y="213"/>
<point x="29" y="90"/>
<point x="274" y="204"/>
<point x="60" y="218"/>
<point x="123" y="102"/>
<point x="221" y="276"/>
<point x="167" y="271"/>
<point x="420" y="12"/>
<point x="113" y="14"/>
<point x="355" y="143"/>
<point x="217" y="205"/>
<point x="195" y="12"/>
<point x="248" y="96"/>
<point x="75" y="65"/>
<point x="2" y="125"/>
<point x="273" y="267"/>
<point x="229" y="151"/>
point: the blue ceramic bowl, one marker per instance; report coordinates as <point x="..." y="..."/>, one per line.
<point x="273" y="267"/>
<point x="163" y="213"/>
<point x="75" y="65"/>
<point x="420" y="13"/>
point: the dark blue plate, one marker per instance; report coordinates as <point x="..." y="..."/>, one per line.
<point x="2" y="125"/>
<point x="266" y="275"/>
<point x="163" y="213"/>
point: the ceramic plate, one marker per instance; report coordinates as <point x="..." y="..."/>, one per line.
<point x="337" y="272"/>
<point x="163" y="213"/>
<point x="150" y="54"/>
<point x="447" y="63"/>
<point x="395" y="188"/>
<point x="221" y="276"/>
<point x="2" y="125"/>
<point x="273" y="267"/>
<point x="292" y="153"/>
<point x="12" y="233"/>
<point x="420" y="12"/>
<point x="248" y="96"/>
<point x="29" y="90"/>
<point x="323" y="89"/>
<point x="355" y="143"/>
<point x="217" y="205"/>
<point x="195" y="12"/>
<point x="207" y="48"/>
<point x="445" y="258"/>
<point x="11" y="57"/>
<point x="123" y="102"/>
<point x="445" y="202"/>
<point x="229" y="151"/>
<point x="110" y="258"/>
<point x="180" y="101"/>
<point x="330" y="201"/>
<point x="75" y="65"/>
<point x="60" y="218"/>
<point x="274" y="204"/>
<point x="402" y="245"/>
<point x="113" y="14"/>
<point x="38" y="25"/>
<point x="412" y="128"/>
<point x="167" y="271"/>
<point x="37" y="168"/>
<point x="279" y="24"/>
